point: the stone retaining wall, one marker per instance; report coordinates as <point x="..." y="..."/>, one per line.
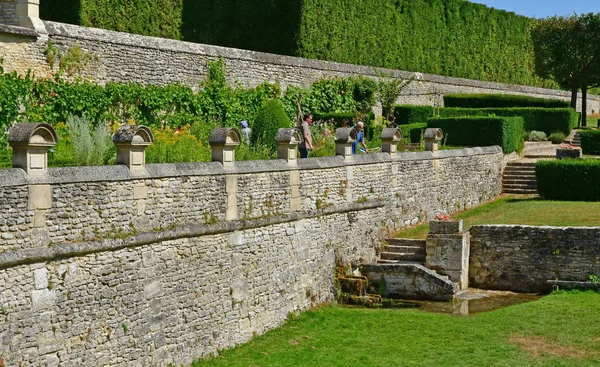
<point x="99" y="267"/>
<point x="524" y="258"/>
<point x="132" y="58"/>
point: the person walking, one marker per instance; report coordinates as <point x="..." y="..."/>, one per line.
<point x="304" y="128"/>
<point x="360" y="137"/>
<point x="246" y="131"/>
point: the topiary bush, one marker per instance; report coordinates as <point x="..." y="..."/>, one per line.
<point x="557" y="137"/>
<point x="270" y="118"/>
<point x="568" y="179"/>
<point x="411" y="114"/>
<point x="590" y="141"/>
<point x="412" y="132"/>
<point x="506" y="132"/>
<point x="500" y="100"/>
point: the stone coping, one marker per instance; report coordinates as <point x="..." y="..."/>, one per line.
<point x="70" y="249"/>
<point x="64" y="175"/>
<point x="19" y="31"/>
<point x="492" y="226"/>
<point x="138" y="41"/>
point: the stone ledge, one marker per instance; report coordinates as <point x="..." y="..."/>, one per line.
<point x="70" y="249"/>
<point x="19" y="31"/>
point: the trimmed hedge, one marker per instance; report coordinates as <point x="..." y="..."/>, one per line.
<point x="436" y="37"/>
<point x="568" y="179"/>
<point x="500" y="100"/>
<point x="506" y="132"/>
<point x="548" y="120"/>
<point x="412" y="132"/>
<point x="336" y="116"/>
<point x="411" y="114"/>
<point x="590" y="141"/>
<point x="269" y="119"/>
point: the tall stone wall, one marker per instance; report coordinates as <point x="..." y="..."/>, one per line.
<point x="99" y="267"/>
<point x="524" y="258"/>
<point x="132" y="58"/>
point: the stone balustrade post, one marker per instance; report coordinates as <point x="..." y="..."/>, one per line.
<point x="131" y="142"/>
<point x="223" y="141"/>
<point x="390" y="137"/>
<point x="28" y="14"/>
<point x="448" y="249"/>
<point x="287" y="144"/>
<point x="344" y="137"/>
<point x="432" y="137"/>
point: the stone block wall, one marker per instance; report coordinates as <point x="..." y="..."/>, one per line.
<point x="524" y="258"/>
<point x="8" y="12"/>
<point x="133" y="58"/>
<point x="102" y="267"/>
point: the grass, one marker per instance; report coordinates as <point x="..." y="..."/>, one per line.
<point x="527" y="211"/>
<point x="561" y="329"/>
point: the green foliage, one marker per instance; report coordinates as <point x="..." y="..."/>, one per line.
<point x="548" y="120"/>
<point x="270" y="118"/>
<point x="413" y="132"/>
<point x="499" y="100"/>
<point x="411" y="114"/>
<point x="557" y="137"/>
<point x="388" y="91"/>
<point x="90" y="144"/>
<point x="506" y="132"/>
<point x="364" y="93"/>
<point x="590" y="141"/>
<point x="568" y="179"/>
<point x="535" y="135"/>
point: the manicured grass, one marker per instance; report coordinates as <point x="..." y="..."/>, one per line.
<point x="527" y="211"/>
<point x="562" y="329"/>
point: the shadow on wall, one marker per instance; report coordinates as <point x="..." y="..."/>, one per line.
<point x="259" y="25"/>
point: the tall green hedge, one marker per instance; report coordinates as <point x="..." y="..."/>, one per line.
<point x="590" y="141"/>
<point x="500" y="100"/>
<point x="548" y="120"/>
<point x="412" y="132"/>
<point x="411" y="114"/>
<point x="568" y="179"/>
<point x="446" y="37"/>
<point x="506" y="132"/>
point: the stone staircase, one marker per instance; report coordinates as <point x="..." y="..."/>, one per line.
<point x="403" y="251"/>
<point x="519" y="178"/>
<point x="574" y="138"/>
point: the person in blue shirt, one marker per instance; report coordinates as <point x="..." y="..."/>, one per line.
<point x="360" y="137"/>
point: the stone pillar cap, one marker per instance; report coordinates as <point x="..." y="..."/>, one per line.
<point x="133" y="135"/>
<point x="433" y="133"/>
<point x="225" y="136"/>
<point x="391" y="135"/>
<point x="345" y="135"/>
<point x="34" y="134"/>
<point x="289" y="136"/>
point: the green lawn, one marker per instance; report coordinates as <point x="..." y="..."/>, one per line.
<point x="529" y="211"/>
<point x="562" y="329"/>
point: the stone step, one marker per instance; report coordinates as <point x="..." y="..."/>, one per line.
<point x="519" y="191"/>
<point x="408" y="256"/>
<point x="518" y="180"/>
<point x="525" y="186"/>
<point x="520" y="164"/>
<point x="400" y="262"/>
<point x="519" y="169"/>
<point x="519" y="173"/>
<point x="406" y="242"/>
<point x="405" y="249"/>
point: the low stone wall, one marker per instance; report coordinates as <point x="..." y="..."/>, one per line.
<point x="99" y="267"/>
<point x="126" y="57"/>
<point x="524" y="258"/>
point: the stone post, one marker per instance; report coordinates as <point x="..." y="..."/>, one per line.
<point x="432" y="137"/>
<point x="344" y="137"/>
<point x="131" y="142"/>
<point x="28" y="14"/>
<point x="447" y="248"/>
<point x="287" y="144"/>
<point x="223" y="141"/>
<point x="390" y="136"/>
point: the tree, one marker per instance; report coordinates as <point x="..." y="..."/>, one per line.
<point x="567" y="49"/>
<point x="389" y="89"/>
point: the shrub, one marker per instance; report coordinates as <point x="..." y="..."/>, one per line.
<point x="364" y="93"/>
<point x="89" y="146"/>
<point x="410" y="114"/>
<point x="536" y="136"/>
<point x="548" y="120"/>
<point x="506" y="132"/>
<point x="412" y="132"/>
<point x="177" y="145"/>
<point x="568" y="179"/>
<point x="500" y="100"/>
<point x="556" y="137"/>
<point x="590" y="141"/>
<point x="270" y="118"/>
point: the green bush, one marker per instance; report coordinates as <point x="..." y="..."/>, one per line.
<point x="557" y="137"/>
<point x="536" y="136"/>
<point x="89" y="144"/>
<point x="548" y="120"/>
<point x="500" y="100"/>
<point x="506" y="132"/>
<point x="411" y="114"/>
<point x="270" y="118"/>
<point x="337" y="117"/>
<point x="412" y="132"/>
<point x="568" y="179"/>
<point x="590" y="141"/>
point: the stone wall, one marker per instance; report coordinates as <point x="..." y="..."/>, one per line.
<point x="133" y="58"/>
<point x="8" y="12"/>
<point x="524" y="258"/>
<point x="99" y="267"/>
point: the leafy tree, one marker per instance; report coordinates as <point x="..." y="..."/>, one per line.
<point x="389" y="89"/>
<point x="567" y="49"/>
